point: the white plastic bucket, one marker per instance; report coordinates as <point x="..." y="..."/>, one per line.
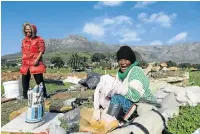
<point x="12" y="89"/>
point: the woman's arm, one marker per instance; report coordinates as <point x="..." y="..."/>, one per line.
<point x="41" y="44"/>
<point x="137" y="83"/>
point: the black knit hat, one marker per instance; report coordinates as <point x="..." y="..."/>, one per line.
<point x="125" y="52"/>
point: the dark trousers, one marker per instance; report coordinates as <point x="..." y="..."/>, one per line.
<point x="26" y="80"/>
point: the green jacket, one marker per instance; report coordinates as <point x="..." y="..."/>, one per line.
<point x="136" y="86"/>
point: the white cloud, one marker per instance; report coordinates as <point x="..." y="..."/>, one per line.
<point x="112" y="3"/>
<point x="93" y="29"/>
<point x="143" y="4"/>
<point x="156" y="42"/>
<point x="179" y="37"/>
<point x="108" y="21"/>
<point x="107" y="3"/>
<point x="129" y="37"/>
<point x="119" y="28"/>
<point x="117" y="20"/>
<point x="159" y="18"/>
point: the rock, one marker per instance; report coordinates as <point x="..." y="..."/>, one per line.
<point x="159" y="100"/>
<point x="54" y="126"/>
<point x="148" y="69"/>
<point x="193" y="95"/>
<point x="68" y="102"/>
<point x="169" y="88"/>
<point x="194" y="69"/>
<point x="156" y="84"/>
<point x="72" y="119"/>
<point x="178" y="78"/>
<point x="160" y="94"/>
<point x="163" y="64"/>
<point x="71" y="88"/>
<point x="197" y="131"/>
<point x="173" y="68"/>
<point x="165" y="74"/>
<point x="172" y="79"/>
<point x="164" y="69"/>
<point x="156" y="69"/>
<point x="169" y="106"/>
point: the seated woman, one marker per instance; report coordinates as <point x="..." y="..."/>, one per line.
<point x="135" y="84"/>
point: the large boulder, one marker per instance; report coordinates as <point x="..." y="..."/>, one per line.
<point x="173" y="69"/>
<point x="163" y="64"/>
<point x="155" y="69"/>
<point x="169" y="106"/>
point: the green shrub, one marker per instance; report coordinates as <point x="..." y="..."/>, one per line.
<point x="2" y="89"/>
<point x="187" y="121"/>
<point x="143" y="64"/>
<point x="195" y="77"/>
<point x="104" y="65"/>
<point x="171" y="64"/>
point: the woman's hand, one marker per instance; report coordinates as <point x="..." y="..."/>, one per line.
<point x="36" y="62"/>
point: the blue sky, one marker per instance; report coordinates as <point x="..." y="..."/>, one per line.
<point x="133" y="23"/>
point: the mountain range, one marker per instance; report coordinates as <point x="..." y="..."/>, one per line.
<point x="179" y="53"/>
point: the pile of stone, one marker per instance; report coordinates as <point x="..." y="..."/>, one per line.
<point x="172" y="75"/>
<point x="172" y="97"/>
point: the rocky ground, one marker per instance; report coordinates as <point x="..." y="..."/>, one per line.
<point x="55" y="100"/>
<point x="58" y="98"/>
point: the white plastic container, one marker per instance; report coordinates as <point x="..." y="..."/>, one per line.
<point x="12" y="89"/>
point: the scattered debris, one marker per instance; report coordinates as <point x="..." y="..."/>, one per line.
<point x="79" y="101"/>
<point x="73" y="80"/>
<point x="69" y="102"/>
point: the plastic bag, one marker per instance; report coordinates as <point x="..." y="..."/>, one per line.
<point x="88" y="124"/>
<point x="91" y="81"/>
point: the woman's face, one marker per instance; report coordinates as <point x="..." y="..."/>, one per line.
<point x="28" y="31"/>
<point x="124" y="64"/>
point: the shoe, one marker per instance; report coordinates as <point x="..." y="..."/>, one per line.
<point x="46" y="96"/>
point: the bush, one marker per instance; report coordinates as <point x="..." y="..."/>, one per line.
<point x="77" y="62"/>
<point x="185" y="65"/>
<point x="187" y="121"/>
<point x="57" y="61"/>
<point x="97" y="57"/>
<point x="104" y="65"/>
<point x="197" y="66"/>
<point x="171" y="64"/>
<point x="143" y="64"/>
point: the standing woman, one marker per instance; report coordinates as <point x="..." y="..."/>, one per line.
<point x="32" y="49"/>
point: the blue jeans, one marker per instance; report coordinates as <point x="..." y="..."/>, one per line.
<point x="122" y="101"/>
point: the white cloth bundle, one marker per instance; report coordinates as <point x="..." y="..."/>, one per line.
<point x="107" y="87"/>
